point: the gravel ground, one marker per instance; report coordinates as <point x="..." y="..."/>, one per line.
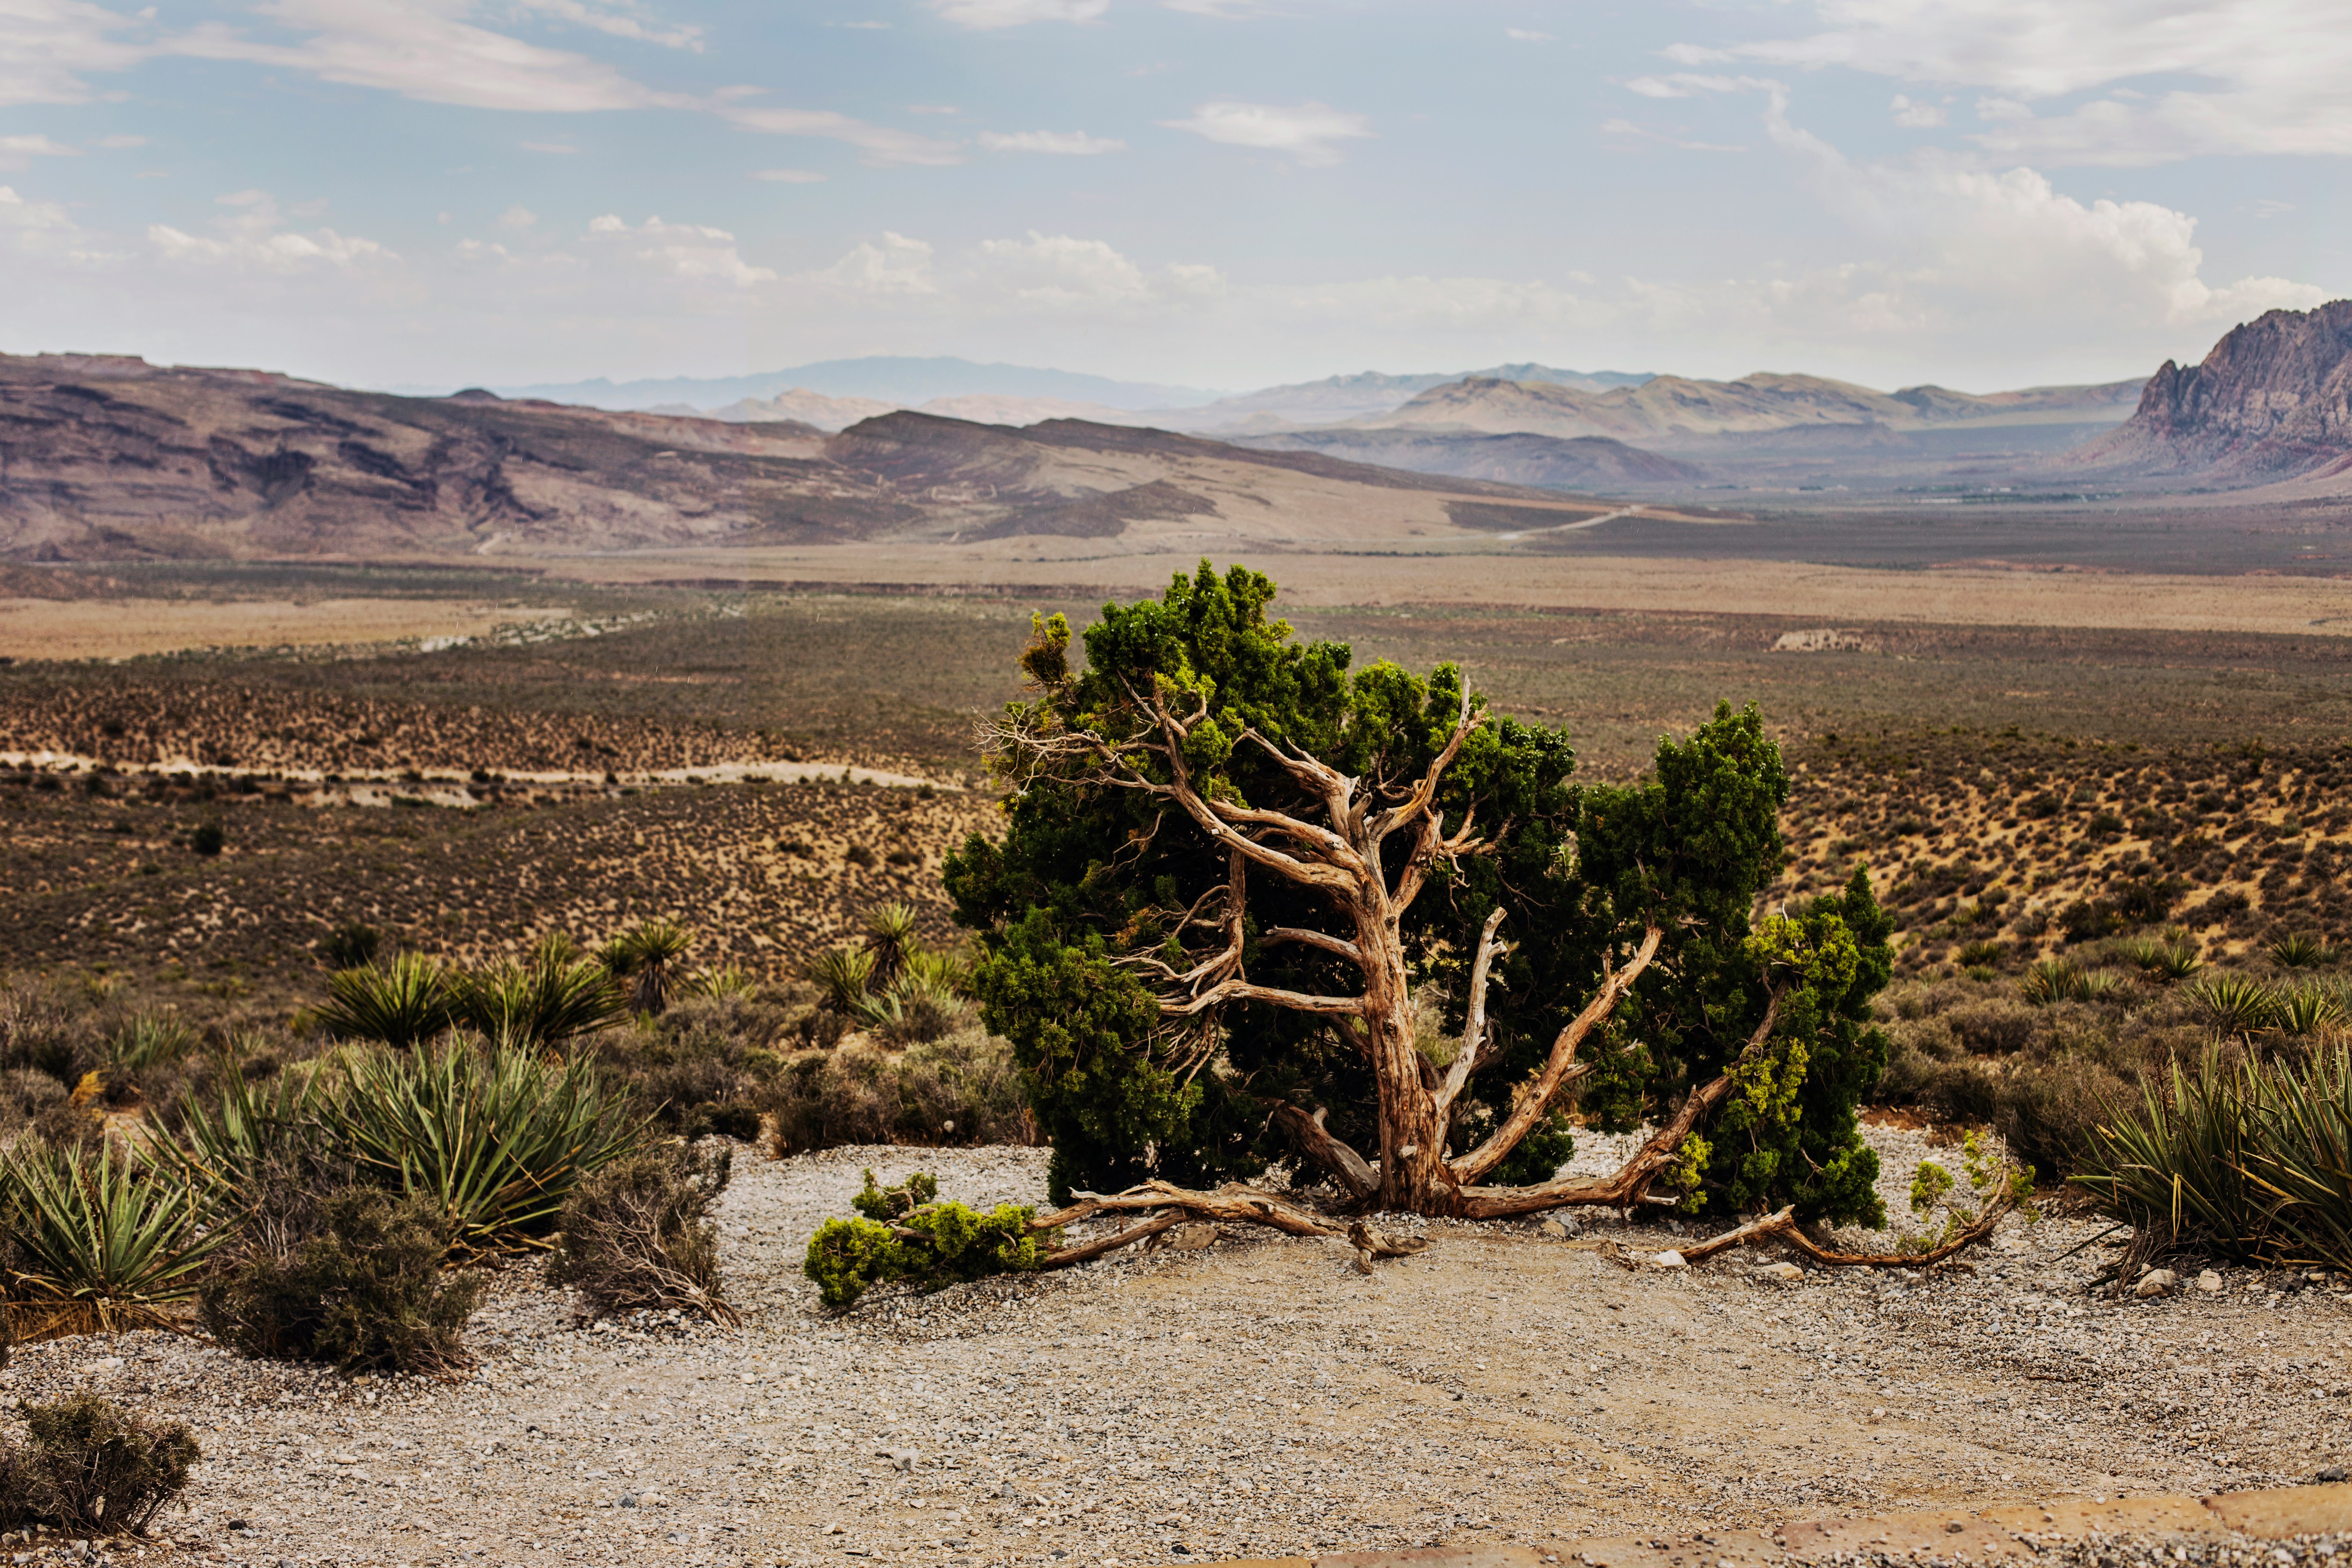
<point x="1255" y="1396"/>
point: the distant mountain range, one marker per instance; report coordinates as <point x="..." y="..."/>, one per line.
<point x="1668" y="407"/>
<point x="834" y="393"/>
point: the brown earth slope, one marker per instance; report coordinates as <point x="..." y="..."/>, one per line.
<point x="113" y="458"/>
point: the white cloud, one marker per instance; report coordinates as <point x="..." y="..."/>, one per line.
<point x="254" y="235"/>
<point x="1069" y="143"/>
<point x="896" y="266"/>
<point x="2003" y="108"/>
<point x="618" y="24"/>
<point x="1307" y="131"/>
<point x="880" y="144"/>
<point x="518" y="218"/>
<point x="989" y="14"/>
<point x="1059" y="269"/>
<point x="1528" y="36"/>
<point x="17" y="213"/>
<point x="49" y="46"/>
<point x="119" y="144"/>
<point x="692" y="251"/>
<point x="788" y="176"/>
<point x="18" y="151"/>
<point x="1227" y="9"/>
<point x="2269" y="74"/>
<point x="1690" y="84"/>
<point x="1917" y="116"/>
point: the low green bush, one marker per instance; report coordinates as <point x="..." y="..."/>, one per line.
<point x="907" y="1234"/>
<point x="637" y="1234"/>
<point x="365" y="1291"/>
<point x="89" y="1468"/>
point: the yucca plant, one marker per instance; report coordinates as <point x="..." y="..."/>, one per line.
<point x="401" y="1002"/>
<point x="494" y="1138"/>
<point x="148" y="1041"/>
<point x="727" y="980"/>
<point x="2175" y="1167"/>
<point x="2304" y="1160"/>
<point x="948" y="972"/>
<point x="103" y="1242"/>
<point x="891" y="937"/>
<point x="2179" y="960"/>
<point x="542" y="1003"/>
<point x="844" y="975"/>
<point x="2308" y="1010"/>
<point x="2052" y="980"/>
<point x="2298" y="950"/>
<point x="227" y="1137"/>
<point x="2102" y="985"/>
<point x="2234" y="1005"/>
<point x="649" y="956"/>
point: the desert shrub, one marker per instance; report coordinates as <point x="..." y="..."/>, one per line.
<point x="89" y="1466"/>
<point x="962" y="1089"/>
<point x="350" y="945"/>
<point x="2234" y="1005"/>
<point x="698" y="1069"/>
<point x="96" y="1240"/>
<point x="364" y="1291"/>
<point x="911" y="1011"/>
<point x="1994" y="1027"/>
<point x="891" y="937"/>
<point x="841" y="974"/>
<point x="208" y="838"/>
<point x="2175" y="1165"/>
<point x="41" y="1033"/>
<point x="907" y="1234"/>
<point x="25" y="1093"/>
<point x="2049" y="1112"/>
<point x="147" y="1041"/>
<point x="637" y="1234"/>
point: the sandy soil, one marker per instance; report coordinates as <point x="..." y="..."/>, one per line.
<point x="127" y="627"/>
<point x="1254" y="1397"/>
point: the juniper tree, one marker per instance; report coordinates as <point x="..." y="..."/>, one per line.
<point x="1251" y="901"/>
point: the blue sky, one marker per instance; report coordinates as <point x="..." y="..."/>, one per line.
<point x="1218" y="193"/>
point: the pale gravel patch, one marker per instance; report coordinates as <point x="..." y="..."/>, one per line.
<point x="1256" y="1397"/>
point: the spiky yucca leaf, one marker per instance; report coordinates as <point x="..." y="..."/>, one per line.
<point x="2176" y="1166"/>
<point x="2308" y="1010"/>
<point x="541" y="1002"/>
<point x="844" y="974"/>
<point x="2298" y="950"/>
<point x="2304" y="1159"/>
<point x="495" y="1139"/>
<point x="401" y="1002"/>
<point x="2234" y="1005"/>
<point x="103" y="1242"/>
<point x="149" y="1041"/>
<point x="2052" y="980"/>
<point x="891" y="937"/>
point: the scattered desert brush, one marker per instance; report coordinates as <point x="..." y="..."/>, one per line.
<point x="637" y="1234"/>
<point x="90" y="1467"/>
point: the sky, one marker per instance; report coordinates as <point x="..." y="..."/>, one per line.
<point x="1218" y="193"/>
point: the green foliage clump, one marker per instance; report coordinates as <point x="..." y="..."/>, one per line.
<point x="401" y="1002"/>
<point x="637" y="1235"/>
<point x="544" y="1002"/>
<point x="907" y="1234"/>
<point x="90" y="1467"/>
<point x="649" y="959"/>
<point x="1088" y="881"/>
<point x="365" y="1292"/>
<point x="1932" y="1186"/>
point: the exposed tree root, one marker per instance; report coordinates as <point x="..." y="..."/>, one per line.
<point x="1782" y="1227"/>
<point x="1233" y="1204"/>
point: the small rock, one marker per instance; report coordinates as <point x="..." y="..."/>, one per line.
<point x="835" y="1530"/>
<point x="2328" y="1477"/>
<point x="1556" y="1229"/>
<point x="2209" y="1282"/>
<point x="1668" y="1260"/>
<point x="1193" y="1238"/>
<point x="2157" y="1283"/>
<point x="628" y="1499"/>
<point x="1784" y="1273"/>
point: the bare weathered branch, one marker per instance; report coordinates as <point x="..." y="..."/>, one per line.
<point x="1631" y="1180"/>
<point x="1319" y="1144"/>
<point x="1242" y="991"/>
<point x="1474" y="1029"/>
<point x="1560" y="1067"/>
<point x="1339" y="946"/>
<point x="1782" y="1227"/>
